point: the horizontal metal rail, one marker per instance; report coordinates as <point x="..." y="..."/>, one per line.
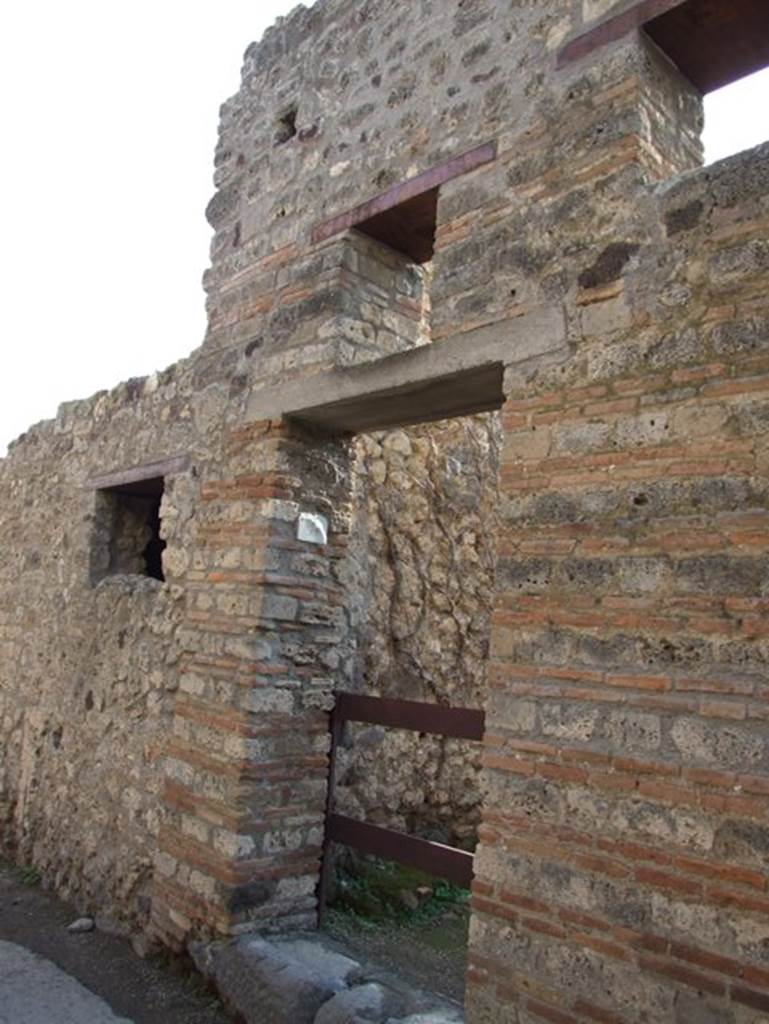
<point x="459" y="723"/>
<point x="433" y="858"/>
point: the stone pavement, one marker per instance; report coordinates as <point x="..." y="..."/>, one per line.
<point x="35" y="991"/>
<point x="312" y="979"/>
<point x="49" y="975"/>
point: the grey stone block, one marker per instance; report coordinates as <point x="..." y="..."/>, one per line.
<point x="367" y="1004"/>
<point x="339" y="970"/>
<point x="267" y="985"/>
<point x="433" y="1017"/>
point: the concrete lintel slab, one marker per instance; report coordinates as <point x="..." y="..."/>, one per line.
<point x="456" y="377"/>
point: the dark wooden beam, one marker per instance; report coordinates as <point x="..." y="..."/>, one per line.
<point x="433" y="858"/>
<point x="122" y="478"/>
<point x="436" y="719"/>
<point x="615" y="28"/>
<point x="712" y="42"/>
<point x="398" y="194"/>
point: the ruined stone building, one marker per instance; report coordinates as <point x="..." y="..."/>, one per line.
<point x="473" y="300"/>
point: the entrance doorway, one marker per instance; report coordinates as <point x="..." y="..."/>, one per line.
<point x="404" y="790"/>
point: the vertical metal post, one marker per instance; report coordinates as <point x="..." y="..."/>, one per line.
<point x="336" y="725"/>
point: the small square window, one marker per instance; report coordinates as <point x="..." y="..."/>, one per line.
<point x="409" y="227"/>
<point x="127" y="538"/>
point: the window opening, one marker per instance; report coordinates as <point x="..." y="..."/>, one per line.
<point x="409" y="227"/>
<point x="735" y="117"/>
<point x="714" y="43"/>
<point x="128" y="530"/>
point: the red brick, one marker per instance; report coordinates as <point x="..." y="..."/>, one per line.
<point x="589" y="757"/>
<point x="516" y="765"/>
<point x="754" y="784"/>
<point x="581" y="920"/>
<point x="667" y="793"/>
<point x="723" y="872"/>
<point x="601" y="946"/>
<point x="548" y="1013"/>
<point x="741" y="386"/>
<point x="684" y="975"/>
<point x="609" y="780"/>
<point x="597" y="1013"/>
<point x="722" y="709"/>
<point x="536" y="924"/>
<point x="563" y="772"/>
<point x="749" y="997"/>
<point x="744" y="806"/>
<point x="636" y="767"/>
<point x="524" y="902"/>
<point x="697" y="373"/>
<point x="665" y="880"/>
<point x="756" y="975"/>
<point x="704" y="958"/>
<point x="484" y="906"/>
<point x="635" y="851"/>
<point x="612" y="406"/>
<point x="601" y="865"/>
<point x="710" y="777"/>
<point x="647" y="941"/>
<point x="750" y="902"/>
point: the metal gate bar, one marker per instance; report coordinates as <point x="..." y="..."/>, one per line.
<point x="459" y="723"/>
<point x="433" y="858"/>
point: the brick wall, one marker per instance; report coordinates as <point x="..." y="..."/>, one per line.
<point x="622" y="874"/>
<point x="264" y="644"/>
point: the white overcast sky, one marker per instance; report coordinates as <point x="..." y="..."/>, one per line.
<point x="109" y="115"/>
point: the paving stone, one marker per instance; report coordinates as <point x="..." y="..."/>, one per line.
<point x="367" y="1004"/>
<point x="35" y="991"/>
<point x="266" y="985"/>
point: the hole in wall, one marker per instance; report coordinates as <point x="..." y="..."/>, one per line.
<point x="252" y="346"/>
<point x="723" y="50"/>
<point x="713" y="43"/>
<point x="409" y="227"/>
<point x="286" y="125"/>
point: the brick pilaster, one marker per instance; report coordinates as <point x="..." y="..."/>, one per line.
<point x="265" y="636"/>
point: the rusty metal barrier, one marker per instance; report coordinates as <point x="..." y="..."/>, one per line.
<point x="433" y="858"/>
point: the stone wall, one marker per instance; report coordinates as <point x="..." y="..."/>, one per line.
<point x="426" y="533"/>
<point x="622" y="872"/>
<point x="90" y="660"/>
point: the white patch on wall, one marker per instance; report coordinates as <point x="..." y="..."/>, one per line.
<point x="312" y="527"/>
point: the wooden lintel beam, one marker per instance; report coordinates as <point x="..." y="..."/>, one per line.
<point x="614" y="28"/>
<point x="425" y="182"/>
